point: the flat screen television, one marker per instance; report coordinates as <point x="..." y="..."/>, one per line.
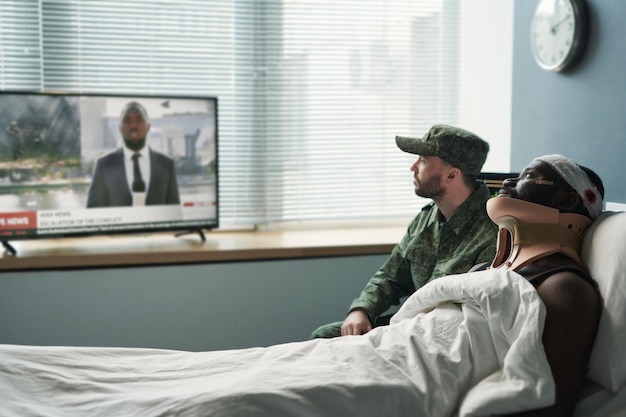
<point x="66" y="164"/>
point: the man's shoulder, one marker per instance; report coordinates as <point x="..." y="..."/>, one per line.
<point x="111" y="156"/>
<point x="472" y="214"/>
<point x="425" y="212"/>
<point x="427" y="208"/>
<point x="480" y="195"/>
<point x="568" y="290"/>
<point x="160" y="156"/>
<point x="423" y="218"/>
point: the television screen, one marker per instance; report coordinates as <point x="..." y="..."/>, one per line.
<point x="84" y="164"/>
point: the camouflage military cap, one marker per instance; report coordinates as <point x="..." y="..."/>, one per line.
<point x="456" y="146"/>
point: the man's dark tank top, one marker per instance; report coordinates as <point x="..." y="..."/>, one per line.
<point x="578" y="271"/>
<point x="536" y="280"/>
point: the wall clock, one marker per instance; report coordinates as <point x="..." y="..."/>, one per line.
<point x="558" y="33"/>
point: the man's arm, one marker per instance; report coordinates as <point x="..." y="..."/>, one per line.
<point x="97" y="196"/>
<point x="172" y="196"/>
<point x="389" y="284"/>
<point x="573" y="312"/>
<point x="163" y="188"/>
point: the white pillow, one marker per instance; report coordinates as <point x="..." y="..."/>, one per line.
<point x="604" y="253"/>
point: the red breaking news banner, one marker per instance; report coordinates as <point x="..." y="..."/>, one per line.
<point x="18" y="221"/>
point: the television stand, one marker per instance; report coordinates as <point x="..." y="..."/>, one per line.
<point x="198" y="231"/>
<point x="9" y="247"/>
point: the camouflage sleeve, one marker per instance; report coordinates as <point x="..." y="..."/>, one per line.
<point x="389" y="284"/>
<point x="488" y="253"/>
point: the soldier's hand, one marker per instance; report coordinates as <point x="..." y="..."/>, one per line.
<point x="356" y="323"/>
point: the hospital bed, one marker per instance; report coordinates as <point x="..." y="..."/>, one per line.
<point x="463" y="345"/>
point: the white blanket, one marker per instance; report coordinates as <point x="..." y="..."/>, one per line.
<point x="466" y="345"/>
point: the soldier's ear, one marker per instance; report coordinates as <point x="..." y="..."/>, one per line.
<point x="454" y="173"/>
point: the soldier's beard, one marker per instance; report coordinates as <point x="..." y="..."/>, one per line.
<point x="430" y="188"/>
<point x="135" y="145"/>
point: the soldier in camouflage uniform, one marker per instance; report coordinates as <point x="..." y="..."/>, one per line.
<point x="448" y="236"/>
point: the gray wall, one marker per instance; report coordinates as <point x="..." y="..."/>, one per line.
<point x="581" y="113"/>
<point x="190" y="307"/>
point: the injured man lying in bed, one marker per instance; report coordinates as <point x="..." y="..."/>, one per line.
<point x="504" y="338"/>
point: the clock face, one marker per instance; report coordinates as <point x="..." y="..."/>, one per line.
<point x="556" y="33"/>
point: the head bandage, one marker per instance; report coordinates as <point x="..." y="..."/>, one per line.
<point x="578" y="180"/>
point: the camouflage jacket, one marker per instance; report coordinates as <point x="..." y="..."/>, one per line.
<point x="432" y="248"/>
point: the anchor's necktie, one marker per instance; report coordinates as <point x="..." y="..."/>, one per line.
<point x="139" y="186"/>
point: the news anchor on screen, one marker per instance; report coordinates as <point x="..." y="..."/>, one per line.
<point x="133" y="175"/>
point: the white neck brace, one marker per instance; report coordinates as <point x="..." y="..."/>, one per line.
<point x="529" y="231"/>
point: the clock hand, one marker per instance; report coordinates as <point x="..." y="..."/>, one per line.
<point x="553" y="28"/>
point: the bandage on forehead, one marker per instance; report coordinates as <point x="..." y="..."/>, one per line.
<point x="578" y="179"/>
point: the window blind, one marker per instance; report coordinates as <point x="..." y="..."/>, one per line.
<point x="311" y="93"/>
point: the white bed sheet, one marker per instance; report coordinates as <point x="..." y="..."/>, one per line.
<point x="463" y="345"/>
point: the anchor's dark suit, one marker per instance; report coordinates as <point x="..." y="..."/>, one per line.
<point x="109" y="187"/>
